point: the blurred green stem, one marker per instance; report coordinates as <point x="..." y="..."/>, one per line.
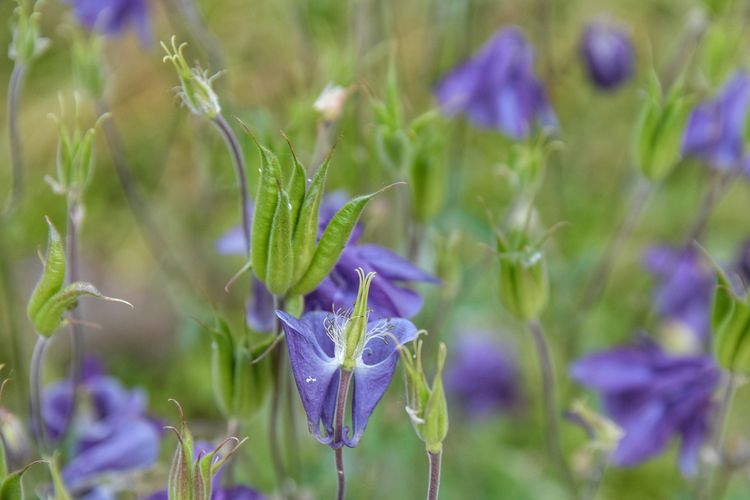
<point x="273" y="432"/>
<point x="10" y="320"/>
<point x="718" y="187"/>
<point x="549" y="402"/>
<point x="711" y="488"/>
<point x="16" y="154"/>
<point x="35" y="397"/>
<point x="434" y="485"/>
<point x="338" y="431"/>
<point x="239" y="163"/>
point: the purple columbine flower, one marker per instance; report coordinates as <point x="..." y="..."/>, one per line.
<point x="684" y="287"/>
<point x="322" y="344"/>
<point x="497" y="88"/>
<point x="715" y="129"/>
<point x="607" y="54"/>
<point x="653" y="396"/>
<point x="112" y="17"/>
<point x="482" y="376"/>
<point x="388" y="296"/>
<point x="112" y="433"/>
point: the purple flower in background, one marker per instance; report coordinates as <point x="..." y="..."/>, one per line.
<point x="653" y="396"/>
<point x="112" y="433"/>
<point x="684" y="287"/>
<point x="482" y="376"/>
<point x="388" y="296"/>
<point x="218" y="492"/>
<point x="607" y="54"/>
<point x="112" y="17"/>
<point x="317" y="344"/>
<point x="715" y="128"/>
<point x="497" y="88"/>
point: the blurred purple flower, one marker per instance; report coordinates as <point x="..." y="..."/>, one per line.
<point x="316" y="353"/>
<point x="482" y="376"/>
<point x="607" y="54"/>
<point x="112" y="17"/>
<point x="112" y="433"/>
<point x="715" y="128"/>
<point x="497" y="87"/>
<point x="388" y="296"/>
<point x="684" y="287"/>
<point x="653" y="396"/>
<point x="218" y="492"/>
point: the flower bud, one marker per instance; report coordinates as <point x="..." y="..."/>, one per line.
<point x="195" y="88"/>
<point x="607" y="54"/>
<point x="659" y="131"/>
<point x="426" y="406"/>
<point x="27" y="43"/>
<point x="356" y="329"/>
<point x="331" y="102"/>
<point x="730" y="325"/>
<point x="524" y="285"/>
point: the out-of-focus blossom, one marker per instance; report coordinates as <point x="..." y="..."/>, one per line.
<point x="112" y="433"/>
<point x="112" y="17"/>
<point x="482" y="376"/>
<point x="497" y="87"/>
<point x="330" y="102"/>
<point x="653" y="396"/>
<point x="607" y="54"/>
<point x="715" y="128"/>
<point x="388" y="296"/>
<point x="322" y="344"/>
<point x="684" y="287"/>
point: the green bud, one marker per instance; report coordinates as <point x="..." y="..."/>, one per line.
<point x="27" y="44"/>
<point x="88" y="64"/>
<point x="356" y="328"/>
<point x="730" y="324"/>
<point x="280" y="257"/>
<point x="426" y="406"/>
<point x="427" y="168"/>
<point x="195" y="88"/>
<point x="659" y="130"/>
<point x="393" y="148"/>
<point x="266" y="201"/>
<point x="306" y="231"/>
<point x="524" y="285"/>
<point x="50" y="300"/>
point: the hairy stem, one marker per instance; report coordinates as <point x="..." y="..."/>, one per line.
<point x="549" y="401"/>
<point x="434" y="485"/>
<point x="35" y="397"/>
<point x="239" y="163"/>
<point x="338" y="431"/>
<point x="16" y="153"/>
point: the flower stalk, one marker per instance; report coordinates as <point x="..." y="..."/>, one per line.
<point x="434" y="484"/>
<point x="338" y="431"/>
<point x="35" y="397"/>
<point x="16" y="154"/>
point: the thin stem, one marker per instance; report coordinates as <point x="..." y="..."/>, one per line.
<point x="16" y="154"/>
<point x="636" y="207"/>
<point x="10" y="318"/>
<point x="434" y="485"/>
<point x="720" y="184"/>
<point x="709" y="487"/>
<point x="549" y="401"/>
<point x="35" y="399"/>
<point x="338" y="431"/>
<point x="273" y="434"/>
<point x="239" y="163"/>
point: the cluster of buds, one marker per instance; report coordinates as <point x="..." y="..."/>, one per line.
<point x="195" y="88"/>
<point x="285" y="252"/>
<point x="426" y="404"/>
<point x="51" y="298"/>
<point x="27" y="43"/>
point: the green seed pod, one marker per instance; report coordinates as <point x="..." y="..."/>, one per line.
<point x="356" y="329"/>
<point x="524" y="285"/>
<point x="332" y="243"/>
<point x="427" y="184"/>
<point x="222" y="367"/>
<point x="306" y="231"/>
<point x="296" y="188"/>
<point x="53" y="276"/>
<point x="266" y="200"/>
<point x="730" y="323"/>
<point x="195" y="88"/>
<point x="280" y="258"/>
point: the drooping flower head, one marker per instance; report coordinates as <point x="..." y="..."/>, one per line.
<point x="715" y="128"/>
<point x="607" y="54"/>
<point x="112" y="434"/>
<point x="482" y="376"/>
<point x="112" y="17"/>
<point x="497" y="88"/>
<point x="684" y="287"/>
<point x="322" y="344"/>
<point x="388" y="295"/>
<point x="653" y="395"/>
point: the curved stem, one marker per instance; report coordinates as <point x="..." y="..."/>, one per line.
<point x="239" y="163"/>
<point x="338" y="431"/>
<point x="434" y="485"/>
<point x="549" y="401"/>
<point x="16" y="153"/>
<point x="35" y="398"/>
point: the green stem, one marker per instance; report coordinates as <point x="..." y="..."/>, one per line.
<point x="709" y="487"/>
<point x="277" y="367"/>
<point x="16" y="154"/>
<point x="338" y="431"/>
<point x="434" y="485"/>
<point x="35" y="398"/>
